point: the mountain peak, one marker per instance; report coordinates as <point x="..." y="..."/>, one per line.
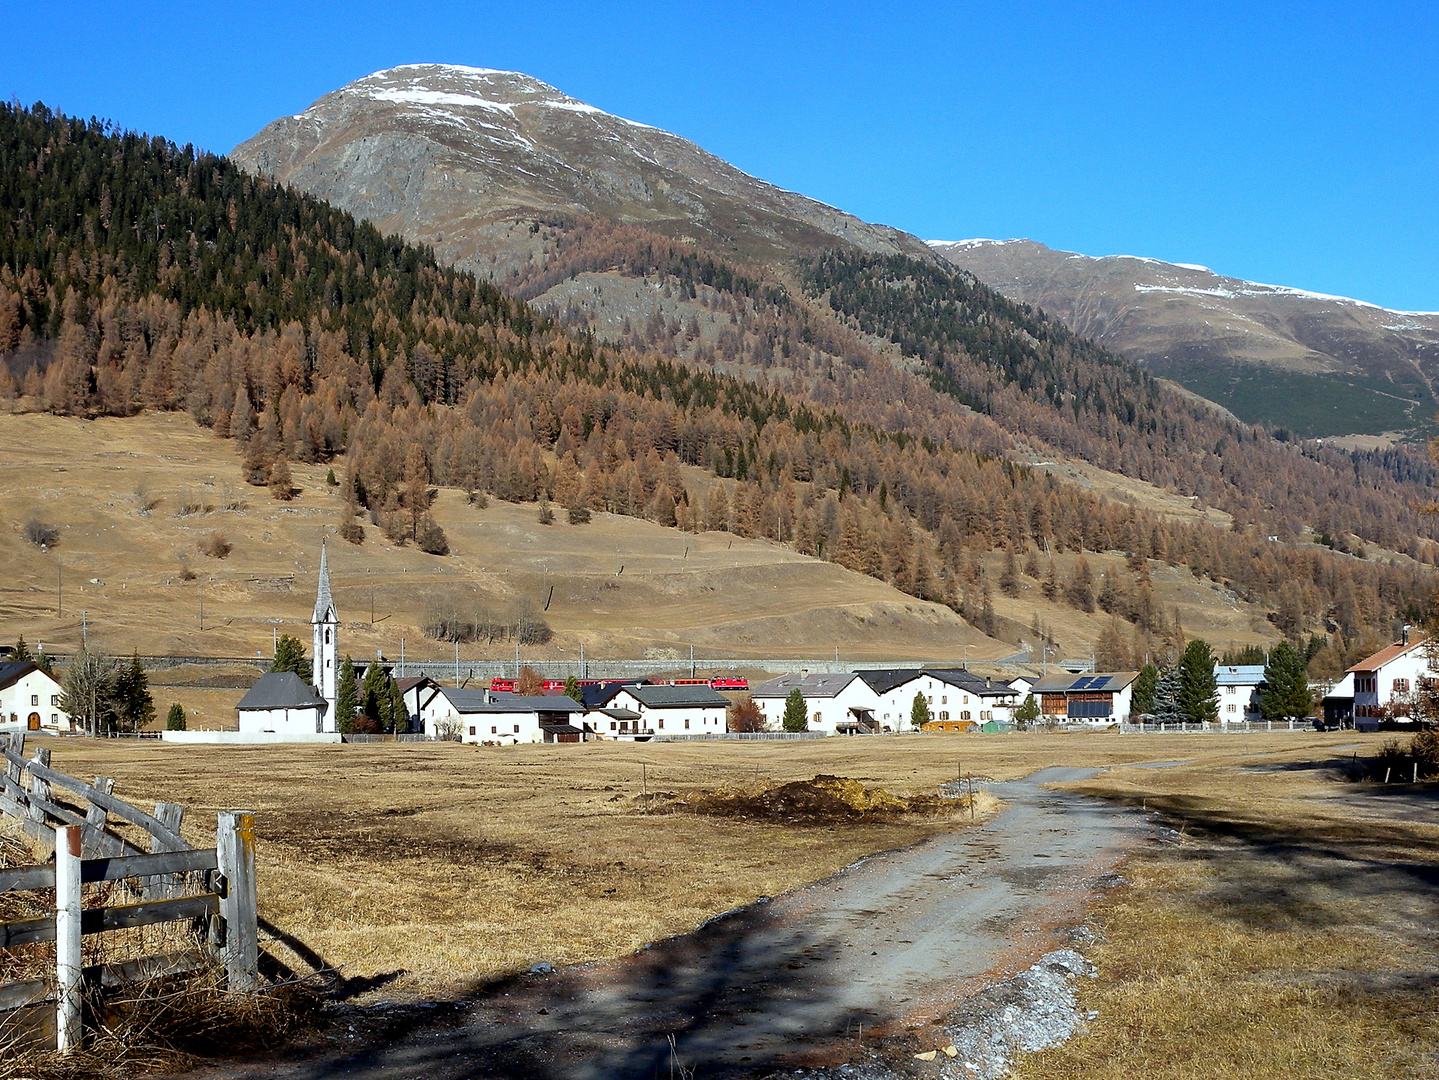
<point x="459" y="157"/>
<point x="455" y="88"/>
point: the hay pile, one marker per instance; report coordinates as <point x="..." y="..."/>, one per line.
<point x="824" y="800"/>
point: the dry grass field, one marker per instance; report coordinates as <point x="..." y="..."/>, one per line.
<point x="454" y="863"/>
<point x="132" y="500"/>
<point x="1289" y="932"/>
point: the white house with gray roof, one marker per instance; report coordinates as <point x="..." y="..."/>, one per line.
<point x="1239" y="686"/>
<point x="668" y="710"/>
<point x="484" y="716"/>
<point x="282" y="703"/>
<point x="839" y="704"/>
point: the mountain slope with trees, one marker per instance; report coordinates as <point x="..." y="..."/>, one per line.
<point x="138" y="275"/>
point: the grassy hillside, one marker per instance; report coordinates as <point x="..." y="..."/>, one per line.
<point x="133" y="500"/>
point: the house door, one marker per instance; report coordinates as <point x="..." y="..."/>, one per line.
<point x="34" y="721"/>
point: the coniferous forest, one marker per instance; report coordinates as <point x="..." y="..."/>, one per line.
<point x="138" y="275"/>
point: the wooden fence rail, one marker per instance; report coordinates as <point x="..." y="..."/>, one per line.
<point x="211" y="888"/>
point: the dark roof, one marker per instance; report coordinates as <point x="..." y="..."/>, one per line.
<point x="819" y="685"/>
<point x="281" y="690"/>
<point x="562" y="729"/>
<point x="475" y="701"/>
<point x="16" y="670"/>
<point x="598" y="694"/>
<point x="883" y="680"/>
<point x="618" y="714"/>
<point x="968" y="680"/>
<point x="676" y="697"/>
<point x="410" y="682"/>
<point x="1103" y="682"/>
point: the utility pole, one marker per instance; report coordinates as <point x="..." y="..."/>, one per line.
<point x="202" y="603"/>
<point x="457" y="661"/>
<point x="59" y="589"/>
<point x="85" y="630"/>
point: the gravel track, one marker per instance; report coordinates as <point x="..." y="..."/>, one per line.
<point x="824" y="975"/>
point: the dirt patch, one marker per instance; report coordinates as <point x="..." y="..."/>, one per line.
<point x="823" y="800"/>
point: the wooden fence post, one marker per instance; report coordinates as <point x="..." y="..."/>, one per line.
<point x="235" y="850"/>
<point x="162" y="885"/>
<point x="68" y="1030"/>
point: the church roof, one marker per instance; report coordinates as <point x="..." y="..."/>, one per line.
<point x="324" y="603"/>
<point x="281" y="690"/>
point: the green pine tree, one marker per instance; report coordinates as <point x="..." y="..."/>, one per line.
<point x="175" y="718"/>
<point x="22" y="651"/>
<point x="796" y="716"/>
<point x="1285" y="693"/>
<point x="290" y="656"/>
<point x="572" y="688"/>
<point x="1028" y="711"/>
<point x="134" y="707"/>
<point x="347" y="698"/>
<point x="1166" y="699"/>
<point x="1141" y="701"/>
<point x="371" y="691"/>
<point x="399" y="712"/>
<point x="918" y="712"/>
<point x="1198" y="684"/>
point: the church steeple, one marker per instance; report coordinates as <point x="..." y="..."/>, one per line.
<point x="326" y="624"/>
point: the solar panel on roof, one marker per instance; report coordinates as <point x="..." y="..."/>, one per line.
<point x="1082" y="684"/>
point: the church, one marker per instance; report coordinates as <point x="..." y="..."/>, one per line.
<point x="281" y="702"/>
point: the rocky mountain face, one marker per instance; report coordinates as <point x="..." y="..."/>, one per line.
<point x="1318" y="365"/>
<point x="466" y="159"/>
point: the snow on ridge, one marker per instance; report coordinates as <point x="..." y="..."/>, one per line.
<point x="965" y="245"/>
<point x="417" y="95"/>
<point x="438" y="97"/>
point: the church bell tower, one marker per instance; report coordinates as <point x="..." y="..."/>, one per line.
<point x="326" y="625"/>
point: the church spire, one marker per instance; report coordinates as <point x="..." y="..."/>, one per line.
<point x="324" y="603"/>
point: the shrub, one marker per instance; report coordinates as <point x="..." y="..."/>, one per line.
<point x="175" y="718"/>
<point x="579" y="515"/>
<point x="352" y="531"/>
<point x="479" y="500"/>
<point x="745" y="716"/>
<point x="431" y="539"/>
<point x="547" y="515"/>
<point x="40" y="534"/>
<point x="215" y="545"/>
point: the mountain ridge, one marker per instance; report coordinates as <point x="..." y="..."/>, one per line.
<point x="407" y="145"/>
<point x="1320" y="364"/>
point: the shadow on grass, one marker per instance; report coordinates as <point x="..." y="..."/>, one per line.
<point x="1306" y="873"/>
<point x="729" y="999"/>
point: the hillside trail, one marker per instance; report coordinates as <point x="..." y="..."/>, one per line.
<point x="809" y="978"/>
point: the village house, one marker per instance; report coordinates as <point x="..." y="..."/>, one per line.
<point x="418" y="693"/>
<point x="663" y="710"/>
<point x="840" y="704"/>
<point x="1239" y="687"/>
<point x="1092" y="699"/>
<point x="957" y="700"/>
<point x="31" y="699"/>
<point x="1382" y="686"/>
<point x="281" y="702"/>
<point x="485" y="716"/>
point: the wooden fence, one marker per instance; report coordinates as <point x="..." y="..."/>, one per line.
<point x="211" y="888"/>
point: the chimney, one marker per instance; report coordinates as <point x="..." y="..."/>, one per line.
<point x="1407" y="628"/>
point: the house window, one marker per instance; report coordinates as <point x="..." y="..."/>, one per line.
<point x="54" y="719"/>
<point x="1401" y="686"/>
<point x="54" y="699"/>
<point x="472" y="729"/>
<point x="1229" y="689"/>
<point x="687" y="725"/>
<point x="964" y="715"/>
<point x="517" y="729"/>
<point x="944" y="714"/>
<point x="944" y="699"/>
<point x="1232" y="708"/>
<point x="816" y="716"/>
<point x="493" y="730"/>
<point x="662" y="723"/>
<point x="34" y="699"/>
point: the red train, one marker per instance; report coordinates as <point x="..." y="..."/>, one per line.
<point x="723" y="682"/>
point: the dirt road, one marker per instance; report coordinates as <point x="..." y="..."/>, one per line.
<point x="890" y="942"/>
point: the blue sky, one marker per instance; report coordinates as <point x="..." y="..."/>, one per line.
<point x="1291" y="143"/>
